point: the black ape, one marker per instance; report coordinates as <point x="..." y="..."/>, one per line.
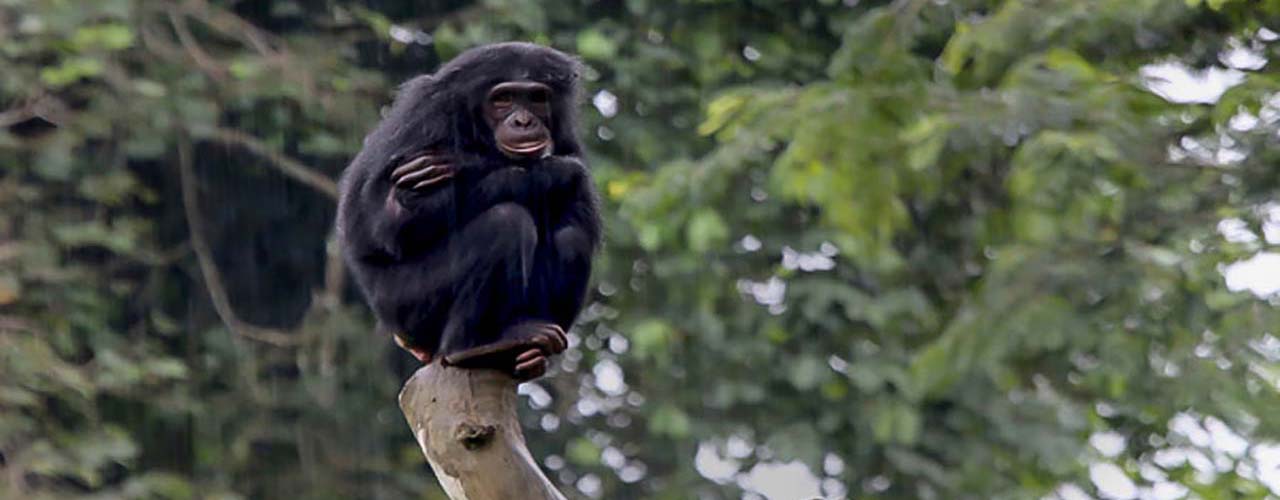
<point x="469" y="218"/>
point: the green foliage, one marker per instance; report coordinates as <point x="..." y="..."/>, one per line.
<point x="940" y="244"/>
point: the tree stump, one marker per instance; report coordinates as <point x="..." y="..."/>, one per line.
<point x="465" y="422"/>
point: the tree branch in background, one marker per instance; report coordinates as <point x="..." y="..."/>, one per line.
<point x="204" y="256"/>
<point x="465" y="422"/>
<point x="231" y="25"/>
<point x="266" y="44"/>
<point x="157" y="44"/>
<point x="197" y="53"/>
<point x="286" y="165"/>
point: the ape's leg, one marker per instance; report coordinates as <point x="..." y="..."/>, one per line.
<point x="562" y="269"/>
<point x="561" y="274"/>
<point x="490" y="323"/>
<point x="559" y="282"/>
<point x="494" y="253"/>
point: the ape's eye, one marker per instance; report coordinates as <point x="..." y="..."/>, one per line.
<point x="540" y="96"/>
<point x="502" y="99"/>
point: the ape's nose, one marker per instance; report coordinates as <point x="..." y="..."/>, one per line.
<point x="522" y="120"/>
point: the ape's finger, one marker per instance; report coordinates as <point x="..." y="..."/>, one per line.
<point x="431" y="170"/>
<point x="431" y="173"/>
<point x="528" y="355"/>
<point x="537" y="359"/>
<point x="560" y="341"/>
<point x="418" y="165"/>
<point x="436" y="180"/>
<point x="531" y="369"/>
<point x="564" y="340"/>
<point x="547" y="343"/>
<point x="425" y="174"/>
<point x="405" y="169"/>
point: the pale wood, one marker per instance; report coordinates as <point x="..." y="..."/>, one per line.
<point x="465" y="422"/>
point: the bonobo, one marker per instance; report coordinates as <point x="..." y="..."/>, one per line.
<point x="469" y="218"/>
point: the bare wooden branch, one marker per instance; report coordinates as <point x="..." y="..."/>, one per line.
<point x="465" y="422"/>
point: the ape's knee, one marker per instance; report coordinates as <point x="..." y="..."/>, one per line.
<point x="506" y="226"/>
<point x="572" y="244"/>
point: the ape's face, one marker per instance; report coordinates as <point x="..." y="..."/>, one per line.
<point x="519" y="113"/>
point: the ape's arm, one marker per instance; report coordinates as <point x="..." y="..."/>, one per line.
<point x="412" y="204"/>
<point x="459" y="190"/>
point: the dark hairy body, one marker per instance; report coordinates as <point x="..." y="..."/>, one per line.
<point x="469" y="218"/>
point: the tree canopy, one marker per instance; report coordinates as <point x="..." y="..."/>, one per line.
<point x="911" y="249"/>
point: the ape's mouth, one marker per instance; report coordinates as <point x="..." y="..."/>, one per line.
<point x="536" y="148"/>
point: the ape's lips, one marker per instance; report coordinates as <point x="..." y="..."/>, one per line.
<point x="536" y="148"/>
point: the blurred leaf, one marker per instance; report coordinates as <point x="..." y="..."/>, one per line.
<point x="582" y="451"/>
<point x="103" y="37"/>
<point x="70" y="70"/>
<point x="807" y="372"/>
<point x="651" y="337"/>
<point x="670" y="421"/>
<point x="121" y="239"/>
<point x="595" y="45"/>
<point x="706" y="230"/>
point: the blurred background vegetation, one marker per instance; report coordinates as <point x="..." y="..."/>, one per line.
<point x="934" y="249"/>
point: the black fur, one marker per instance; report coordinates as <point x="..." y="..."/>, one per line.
<point x="502" y="243"/>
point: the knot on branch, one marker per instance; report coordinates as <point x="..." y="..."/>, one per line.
<point x="473" y="436"/>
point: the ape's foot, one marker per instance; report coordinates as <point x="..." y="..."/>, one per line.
<point x="421" y="354"/>
<point x="522" y="351"/>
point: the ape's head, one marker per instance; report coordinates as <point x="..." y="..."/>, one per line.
<point x="519" y="113"/>
<point x="514" y="100"/>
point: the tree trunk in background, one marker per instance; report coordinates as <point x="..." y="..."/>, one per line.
<point x="465" y="421"/>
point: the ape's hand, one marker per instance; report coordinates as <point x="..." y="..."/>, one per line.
<point x="424" y="171"/>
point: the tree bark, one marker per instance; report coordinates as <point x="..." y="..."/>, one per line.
<point x="465" y="422"/>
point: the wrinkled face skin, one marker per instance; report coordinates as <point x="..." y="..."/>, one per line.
<point x="519" y="113"/>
